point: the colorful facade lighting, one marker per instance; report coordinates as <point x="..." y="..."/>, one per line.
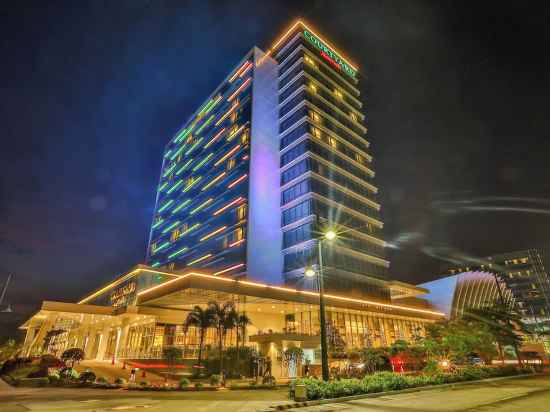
<point x="228" y="154"/>
<point x="235" y="133"/>
<point x="213" y="181"/>
<point x="178" y="252"/>
<point x="200" y="259"/>
<point x="169" y="170"/>
<point x="170" y="227"/>
<point x="214" y="138"/>
<point x="165" y="206"/>
<point x="239" y="71"/>
<point x="231" y="110"/>
<point x="189" y="229"/>
<point x="203" y="161"/>
<point x="227" y="206"/>
<point x="236" y="182"/>
<point x="191" y="184"/>
<point x="236" y="243"/>
<point x="163" y="186"/>
<point x="206" y="123"/>
<point x="160" y="222"/>
<point x="194" y="146"/>
<point x="214" y="233"/>
<point x="240" y="265"/>
<point x="181" y="169"/>
<point x="177" y="152"/>
<point x="202" y="205"/>
<point x="175" y="186"/>
<point x="239" y="89"/>
<point x="161" y="247"/>
<point x="181" y="206"/>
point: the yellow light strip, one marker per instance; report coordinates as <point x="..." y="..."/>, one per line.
<point x="240" y="265"/>
<point x="228" y="154"/>
<point x="214" y="138"/>
<point x="227" y="206"/>
<point x="239" y="89"/>
<point x="235" y="133"/>
<point x="231" y="109"/>
<point x="222" y="174"/>
<point x="246" y="70"/>
<point x="215" y="232"/>
<point x="303" y="292"/>
<point x="200" y="259"/>
<point x="238" y="242"/>
<point x="236" y="74"/>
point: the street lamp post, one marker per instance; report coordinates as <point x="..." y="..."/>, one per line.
<point x="330" y="235"/>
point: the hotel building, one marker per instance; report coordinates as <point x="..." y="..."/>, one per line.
<point x="274" y="157"/>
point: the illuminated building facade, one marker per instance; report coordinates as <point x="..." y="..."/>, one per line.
<point x="272" y="158"/>
<point x="277" y="154"/>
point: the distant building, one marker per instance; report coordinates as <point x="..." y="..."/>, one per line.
<point x="456" y="293"/>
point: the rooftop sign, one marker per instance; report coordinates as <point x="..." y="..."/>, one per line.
<point x="328" y="54"/>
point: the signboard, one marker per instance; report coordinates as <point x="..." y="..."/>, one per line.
<point x="121" y="295"/>
<point x="329" y="55"/>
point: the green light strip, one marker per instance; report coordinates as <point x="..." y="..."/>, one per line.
<point x="202" y="162"/>
<point x="172" y="226"/>
<point x="177" y="152"/>
<point x="163" y="208"/>
<point x="190" y="185"/>
<point x="199" y="207"/>
<point x="177" y="252"/>
<point x="181" y="206"/>
<point x="160" y="222"/>
<point x="205" y="107"/>
<point x="181" y="169"/>
<point x="163" y="246"/>
<point x="174" y="187"/>
<point x="200" y="129"/>
<point x="194" y="145"/>
<point x="169" y="170"/>
<point x="196" y="225"/>
<point x="168" y="153"/>
<point x="163" y="186"/>
<point x="183" y="134"/>
<point x="156" y="264"/>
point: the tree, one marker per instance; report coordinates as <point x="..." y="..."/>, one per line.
<point x="373" y="359"/>
<point x="225" y="319"/>
<point x="201" y="319"/>
<point x="73" y="355"/>
<point x="241" y="323"/>
<point x="172" y="354"/>
<point x="504" y="324"/>
<point x="9" y="349"/>
<point x="397" y="347"/>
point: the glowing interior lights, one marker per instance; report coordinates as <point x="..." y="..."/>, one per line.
<point x="169" y="170"/>
<point x="166" y="206"/>
<point x="239" y="71"/>
<point x="185" y="166"/>
<point x="160" y="222"/>
<point x="214" y="233"/>
<point x="239" y="89"/>
<point x="191" y="184"/>
<point x="177" y="252"/>
<point x="206" y="123"/>
<point x="236" y="182"/>
<point x="200" y="259"/>
<point x="194" y="146"/>
<point x="202" y="205"/>
<point x="227" y="206"/>
<point x="236" y="243"/>
<point x="213" y="181"/>
<point x="240" y="265"/>
<point x="175" y="186"/>
<point x="231" y="110"/>
<point x="203" y="161"/>
<point x="170" y="227"/>
<point x="214" y="138"/>
<point x="163" y="186"/>
<point x="235" y="133"/>
<point x="228" y="154"/>
<point x="190" y="229"/>
<point x="181" y="206"/>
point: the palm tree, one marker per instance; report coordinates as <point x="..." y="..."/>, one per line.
<point x="202" y="319"/>
<point x="225" y="317"/>
<point x="504" y="323"/>
<point x="242" y="322"/>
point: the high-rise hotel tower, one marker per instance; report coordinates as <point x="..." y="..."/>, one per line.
<point x="276" y="155"/>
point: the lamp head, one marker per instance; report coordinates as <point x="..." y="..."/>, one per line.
<point x="309" y="273"/>
<point x="330" y="235"/>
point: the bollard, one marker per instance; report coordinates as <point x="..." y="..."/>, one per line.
<point x="300" y="393"/>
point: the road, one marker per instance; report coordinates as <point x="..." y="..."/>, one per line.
<point x="523" y="394"/>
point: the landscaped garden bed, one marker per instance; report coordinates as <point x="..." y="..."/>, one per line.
<point x="389" y="381"/>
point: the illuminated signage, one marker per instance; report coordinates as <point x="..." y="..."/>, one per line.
<point x="121" y="295"/>
<point x="329" y="55"/>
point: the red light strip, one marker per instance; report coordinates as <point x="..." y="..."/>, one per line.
<point x="238" y="242"/>
<point x="228" y="154"/>
<point x="239" y="89"/>
<point x="246" y="70"/>
<point x="227" y="206"/>
<point x="239" y="71"/>
<point x="236" y="182"/>
<point x="240" y="265"/>
<point x="214" y="138"/>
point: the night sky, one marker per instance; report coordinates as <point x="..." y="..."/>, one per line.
<point x="457" y="99"/>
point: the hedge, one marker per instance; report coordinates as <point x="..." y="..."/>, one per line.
<point x="389" y="381"/>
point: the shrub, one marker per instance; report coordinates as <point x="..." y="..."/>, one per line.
<point x="432" y="366"/>
<point x="101" y="379"/>
<point x="120" y="381"/>
<point x="68" y="374"/>
<point x="53" y="379"/>
<point x="184" y="383"/>
<point x="215" y="380"/>
<point x="87" y="377"/>
<point x="198" y="385"/>
<point x="144" y="383"/>
<point x="39" y="373"/>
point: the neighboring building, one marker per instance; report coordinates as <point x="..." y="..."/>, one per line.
<point x="525" y="275"/>
<point x="460" y="291"/>
<point x="276" y="155"/>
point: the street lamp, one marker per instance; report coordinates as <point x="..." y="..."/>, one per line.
<point x="327" y="236"/>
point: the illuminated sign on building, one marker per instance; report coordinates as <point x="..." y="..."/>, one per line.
<point x="336" y="61"/>
<point x="121" y="295"/>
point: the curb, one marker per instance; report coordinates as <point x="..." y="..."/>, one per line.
<point x="380" y="394"/>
